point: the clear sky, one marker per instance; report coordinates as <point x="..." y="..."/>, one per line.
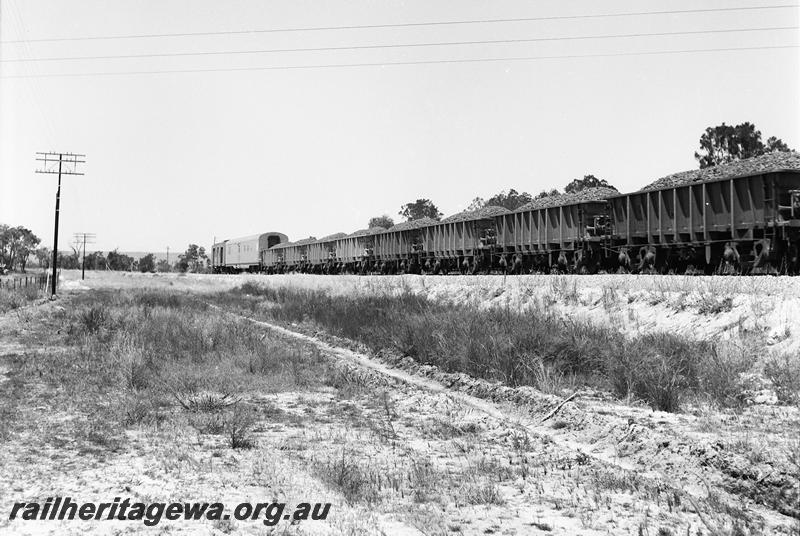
<point x="174" y="158"/>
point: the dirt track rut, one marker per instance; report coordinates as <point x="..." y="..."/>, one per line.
<point x="609" y="435"/>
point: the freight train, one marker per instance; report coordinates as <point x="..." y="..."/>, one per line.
<point x="740" y="217"/>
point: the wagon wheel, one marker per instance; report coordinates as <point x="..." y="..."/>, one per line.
<point x="784" y="266"/>
<point x="725" y="268"/>
<point x="742" y="268"/>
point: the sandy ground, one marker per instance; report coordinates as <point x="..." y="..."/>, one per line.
<point x="451" y="455"/>
<point x="699" y="456"/>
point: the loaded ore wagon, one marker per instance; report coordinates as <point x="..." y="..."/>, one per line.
<point x="561" y="233"/>
<point x="401" y="248"/>
<point x="296" y="255"/>
<point x="741" y="217"/>
<point x="357" y="250"/>
<point x="463" y="242"/>
<point x="274" y="259"/>
<point x="323" y="254"/>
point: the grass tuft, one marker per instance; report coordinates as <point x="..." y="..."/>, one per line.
<point x="356" y="483"/>
<point x="784" y="373"/>
<point x="93" y="319"/>
<point x="239" y="429"/>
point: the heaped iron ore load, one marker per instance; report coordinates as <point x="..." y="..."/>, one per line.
<point x="741" y="217"/>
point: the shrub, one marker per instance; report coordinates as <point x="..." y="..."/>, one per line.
<point x="93" y="318"/>
<point x="475" y="493"/>
<point x="719" y="373"/>
<point x="140" y="409"/>
<point x="239" y="429"/>
<point x="784" y="373"/>
<point x="656" y="368"/>
<point x="422" y="478"/>
<point x="139" y="375"/>
<point x="713" y="304"/>
<point x="356" y="483"/>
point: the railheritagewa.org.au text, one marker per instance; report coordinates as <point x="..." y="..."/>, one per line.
<point x="66" y="509"/>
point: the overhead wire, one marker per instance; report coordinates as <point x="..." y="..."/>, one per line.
<point x="396" y="45"/>
<point x="50" y="115"/>
<point x="406" y="24"/>
<point x="33" y="95"/>
<point x="398" y="63"/>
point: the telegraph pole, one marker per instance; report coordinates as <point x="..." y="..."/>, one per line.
<point x="67" y="165"/>
<point x="85" y="237"/>
<point x="168" y="267"/>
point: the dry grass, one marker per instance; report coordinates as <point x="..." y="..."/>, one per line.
<point x="531" y="348"/>
<point x="783" y="371"/>
<point x="15" y="298"/>
<point x="140" y="357"/>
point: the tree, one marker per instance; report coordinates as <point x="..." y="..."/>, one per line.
<point x="725" y="143"/>
<point x="68" y="262"/>
<point x="511" y="200"/>
<point x="43" y="256"/>
<point x="546" y="193"/>
<point x="421" y="208"/>
<point x="16" y="245"/>
<point x="774" y="144"/>
<point x="27" y="245"/>
<point x="147" y="263"/>
<point x="62" y="261"/>
<point x="163" y="266"/>
<point x="8" y="249"/>
<point x="93" y="261"/>
<point x="119" y="261"/>
<point x="476" y="204"/>
<point x="380" y="221"/>
<point x="194" y="259"/>
<point x="588" y="181"/>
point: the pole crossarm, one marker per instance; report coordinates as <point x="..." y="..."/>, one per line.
<point x="68" y="163"/>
